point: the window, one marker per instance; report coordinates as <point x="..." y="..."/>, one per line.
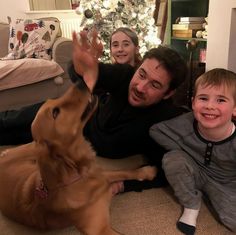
<point x="41" y="5"/>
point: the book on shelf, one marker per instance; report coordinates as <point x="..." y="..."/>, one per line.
<point x="184" y="33"/>
<point x="192" y="19"/>
<point x="190" y="22"/>
<point x="187" y="26"/>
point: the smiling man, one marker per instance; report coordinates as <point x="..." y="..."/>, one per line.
<point x="150" y="84"/>
<point x="137" y="100"/>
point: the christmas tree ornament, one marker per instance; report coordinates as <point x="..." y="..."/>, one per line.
<point x="88" y="13"/>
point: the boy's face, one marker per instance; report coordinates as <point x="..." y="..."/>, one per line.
<point x="149" y="85"/>
<point x="213" y="107"/>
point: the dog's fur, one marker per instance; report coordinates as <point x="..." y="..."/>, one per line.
<point x="54" y="181"/>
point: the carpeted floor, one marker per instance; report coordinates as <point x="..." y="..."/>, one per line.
<point x="151" y="212"/>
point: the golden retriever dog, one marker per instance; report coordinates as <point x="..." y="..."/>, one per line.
<point x="54" y="181"/>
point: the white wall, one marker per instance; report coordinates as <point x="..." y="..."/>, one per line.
<point x="70" y="21"/>
<point x="221" y="40"/>
<point x="13" y="8"/>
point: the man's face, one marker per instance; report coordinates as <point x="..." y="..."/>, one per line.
<point x="149" y="85"/>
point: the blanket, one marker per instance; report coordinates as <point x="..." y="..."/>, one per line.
<point x="21" y="72"/>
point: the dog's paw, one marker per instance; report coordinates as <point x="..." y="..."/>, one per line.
<point x="147" y="173"/>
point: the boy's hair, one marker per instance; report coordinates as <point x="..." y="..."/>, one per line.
<point x="217" y="77"/>
<point x="172" y="62"/>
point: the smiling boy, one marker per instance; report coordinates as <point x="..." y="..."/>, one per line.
<point x="201" y="149"/>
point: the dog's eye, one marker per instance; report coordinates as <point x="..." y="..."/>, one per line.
<point x="55" y="112"/>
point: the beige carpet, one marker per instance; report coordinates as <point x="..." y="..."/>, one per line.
<point x="151" y="212"/>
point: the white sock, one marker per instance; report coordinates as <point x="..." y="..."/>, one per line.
<point x="189" y="216"/>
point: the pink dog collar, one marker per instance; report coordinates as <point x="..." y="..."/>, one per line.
<point x="41" y="191"/>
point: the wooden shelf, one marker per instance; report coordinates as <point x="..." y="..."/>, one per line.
<point x="188" y="8"/>
<point x="186" y="39"/>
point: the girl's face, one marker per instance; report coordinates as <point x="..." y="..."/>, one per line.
<point x="123" y="50"/>
<point x="213" y="107"/>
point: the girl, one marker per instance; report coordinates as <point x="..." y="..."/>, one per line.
<point x="124" y="47"/>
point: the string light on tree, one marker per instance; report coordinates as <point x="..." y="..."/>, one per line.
<point x="107" y="15"/>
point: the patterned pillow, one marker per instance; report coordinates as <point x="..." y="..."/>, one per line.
<point x="32" y="38"/>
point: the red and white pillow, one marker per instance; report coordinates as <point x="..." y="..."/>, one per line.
<point x="29" y="38"/>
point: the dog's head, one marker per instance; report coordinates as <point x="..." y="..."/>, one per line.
<point x="59" y="122"/>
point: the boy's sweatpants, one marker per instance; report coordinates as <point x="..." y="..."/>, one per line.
<point x="189" y="181"/>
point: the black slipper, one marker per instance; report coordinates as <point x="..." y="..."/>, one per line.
<point x="186" y="228"/>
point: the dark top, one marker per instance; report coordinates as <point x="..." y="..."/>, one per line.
<point x="117" y="129"/>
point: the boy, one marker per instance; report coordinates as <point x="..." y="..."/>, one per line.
<point x="201" y="157"/>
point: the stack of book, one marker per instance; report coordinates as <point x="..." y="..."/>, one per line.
<point x="186" y="27"/>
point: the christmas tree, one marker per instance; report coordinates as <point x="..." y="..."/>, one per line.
<point x="108" y="15"/>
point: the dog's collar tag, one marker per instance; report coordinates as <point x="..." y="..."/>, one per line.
<point x="41" y="191"/>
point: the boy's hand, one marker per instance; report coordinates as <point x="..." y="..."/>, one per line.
<point x="85" y="56"/>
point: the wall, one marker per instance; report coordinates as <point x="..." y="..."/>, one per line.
<point x="70" y="21"/>
<point x="13" y="8"/>
<point x="221" y="46"/>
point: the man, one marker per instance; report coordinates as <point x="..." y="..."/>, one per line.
<point x="137" y="100"/>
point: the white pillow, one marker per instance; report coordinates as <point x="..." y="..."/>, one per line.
<point x="32" y="38"/>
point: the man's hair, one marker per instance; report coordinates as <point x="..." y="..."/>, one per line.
<point x="217" y="77"/>
<point x="172" y="62"/>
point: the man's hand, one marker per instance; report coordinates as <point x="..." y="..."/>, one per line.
<point x="85" y="56"/>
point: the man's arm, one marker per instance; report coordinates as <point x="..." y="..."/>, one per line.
<point x="85" y="57"/>
<point x="86" y="66"/>
<point x="164" y="136"/>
